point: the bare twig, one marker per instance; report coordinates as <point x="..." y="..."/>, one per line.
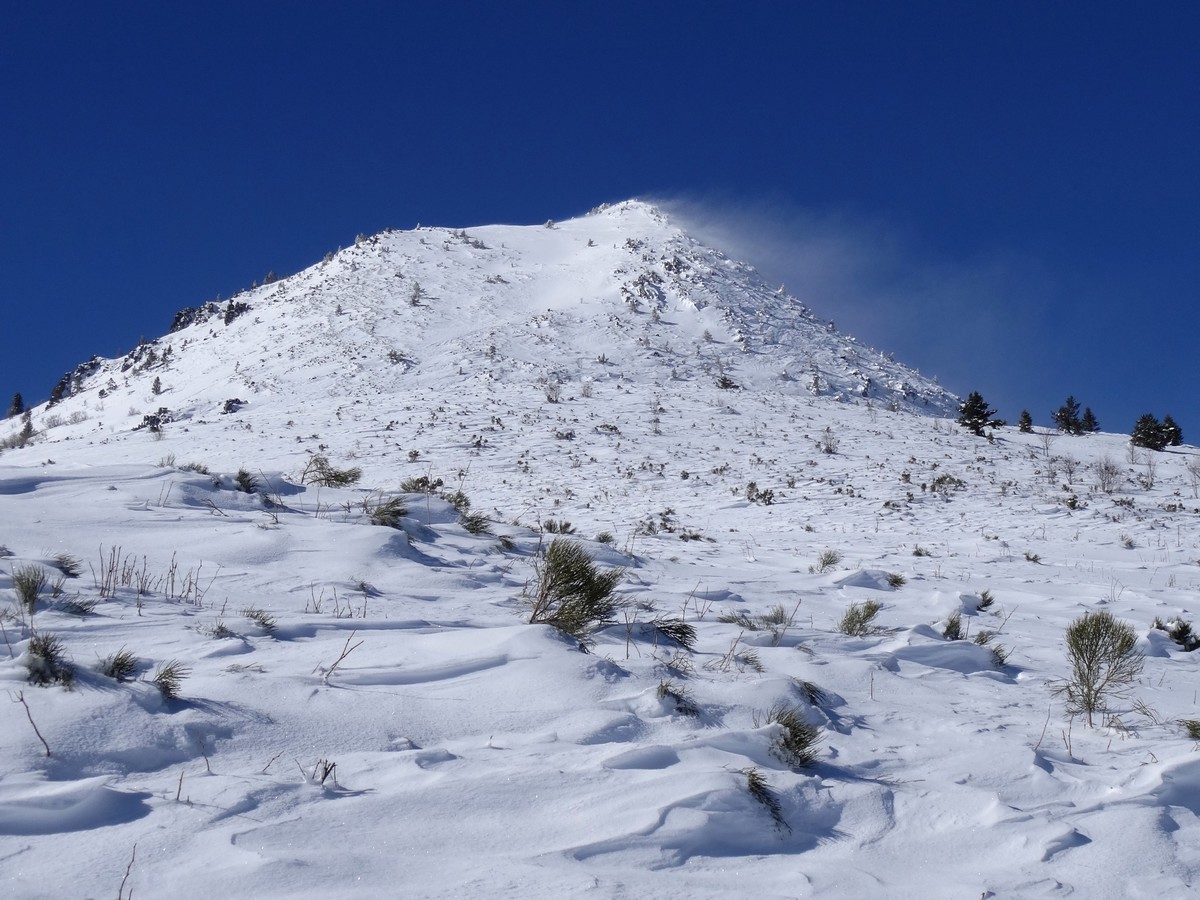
<point x="270" y="761"/>
<point x="208" y="502"/>
<point x="346" y="651"/>
<point x="21" y="699"/>
<point x="121" y="895"/>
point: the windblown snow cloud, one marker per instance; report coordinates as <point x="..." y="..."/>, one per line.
<point x="952" y="317"/>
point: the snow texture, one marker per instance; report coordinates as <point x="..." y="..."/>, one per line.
<point x="366" y="711"/>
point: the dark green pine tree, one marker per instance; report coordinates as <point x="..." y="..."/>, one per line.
<point x="1172" y="432"/>
<point x="1148" y="432"/>
<point x="1025" y="422"/>
<point x="975" y="415"/>
<point x="1067" y="417"/>
<point x="1089" y="424"/>
<point x="17" y="406"/>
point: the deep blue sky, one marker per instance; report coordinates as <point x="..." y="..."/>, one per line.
<point x="1005" y="194"/>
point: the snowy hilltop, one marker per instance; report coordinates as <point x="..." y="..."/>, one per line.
<point x="566" y="559"/>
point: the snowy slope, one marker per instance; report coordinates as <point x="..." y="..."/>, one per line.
<point x="611" y="373"/>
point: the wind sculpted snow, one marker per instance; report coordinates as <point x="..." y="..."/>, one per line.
<point x="363" y="709"/>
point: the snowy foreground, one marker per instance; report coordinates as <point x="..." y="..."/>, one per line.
<point x="365" y="709"/>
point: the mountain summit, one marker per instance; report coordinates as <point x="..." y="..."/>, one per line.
<point x="502" y="322"/>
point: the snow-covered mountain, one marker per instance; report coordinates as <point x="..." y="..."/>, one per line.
<point x="367" y="710"/>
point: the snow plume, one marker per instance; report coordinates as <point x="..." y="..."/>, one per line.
<point x="879" y="282"/>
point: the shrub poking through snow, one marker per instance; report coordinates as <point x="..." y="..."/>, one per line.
<point x="570" y="593"/>
<point x="1104" y="662"/>
<point x="69" y="565"/>
<point x="1180" y="631"/>
<point x="896" y="581"/>
<point x="119" y="666"/>
<point x="385" y="511"/>
<point x="676" y="630"/>
<point x="246" y="482"/>
<point x="28" y="582"/>
<point x="797" y="741"/>
<point x="261" y="618"/>
<point x="757" y="785"/>
<point x="680" y="696"/>
<point x="46" y="660"/>
<point x="953" y="630"/>
<point x="318" y="471"/>
<point x="825" y="561"/>
<point x="421" y="484"/>
<point x="474" y="522"/>
<point x="1192" y="727"/>
<point x="859" y="618"/>
<point x="168" y="678"/>
<point x="999" y="651"/>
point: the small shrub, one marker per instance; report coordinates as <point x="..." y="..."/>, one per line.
<point x="757" y="785"/>
<point x="570" y="593"/>
<point x="421" y="484"/>
<point x="811" y="692"/>
<point x="460" y="501"/>
<point x="261" y="618"/>
<point x="46" y="660"/>
<point x="680" y="696"/>
<point x="985" y="599"/>
<point x="1180" y="631"/>
<point x="953" y="630"/>
<point x="825" y="561"/>
<point x="947" y="484"/>
<point x="1108" y="474"/>
<point x="385" y="511"/>
<point x="67" y="564"/>
<point x="169" y="677"/>
<point x="246" y="482"/>
<point x="550" y="526"/>
<point x="741" y="618"/>
<point x="605" y="537"/>
<point x="676" y="630"/>
<point x="28" y="582"/>
<point x="318" y="471"/>
<point x="797" y="742"/>
<point x="858" y="618"/>
<point x="896" y="580"/>
<point x="756" y="495"/>
<point x="1192" y="727"/>
<point x="1104" y="662"/>
<point x="79" y="606"/>
<point x="1032" y="557"/>
<point x="218" y="630"/>
<point x="474" y="523"/>
<point x="920" y="551"/>
<point x="999" y="651"/>
<point x="120" y="666"/>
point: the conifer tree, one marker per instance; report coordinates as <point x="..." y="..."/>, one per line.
<point x="16" y="407"/>
<point x="1089" y="424"/>
<point x="1025" y="422"/>
<point x="1172" y="432"/>
<point x="1148" y="432"/>
<point x="975" y="415"/>
<point x="1067" y="417"/>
